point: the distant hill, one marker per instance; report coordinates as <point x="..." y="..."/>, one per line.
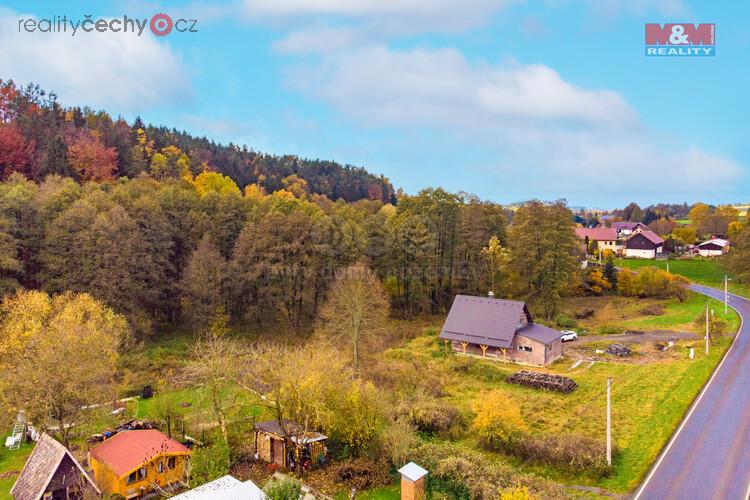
<point x="38" y="137"/>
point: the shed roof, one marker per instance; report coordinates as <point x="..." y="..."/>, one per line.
<point x="224" y="488"/>
<point x="273" y="427"/>
<point x="715" y="241"/>
<point x="483" y="320"/>
<point x="40" y="467"/>
<point x="412" y="471"/>
<point x="540" y="333"/>
<point x="596" y="233"/>
<point x="128" y="450"/>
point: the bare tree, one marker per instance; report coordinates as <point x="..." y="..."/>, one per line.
<point x="214" y="365"/>
<point x="356" y="306"/>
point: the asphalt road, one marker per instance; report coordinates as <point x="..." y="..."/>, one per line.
<point x="708" y="457"/>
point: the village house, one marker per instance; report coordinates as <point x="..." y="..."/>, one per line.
<point x="643" y="244"/>
<point x="271" y="445"/>
<point x="714" y="247"/>
<point x="626" y="228"/>
<point x="51" y="472"/>
<point x="499" y="329"/>
<point x="605" y="238"/>
<point x="139" y="462"/>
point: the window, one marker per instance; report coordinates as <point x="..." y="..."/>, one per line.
<point x="526" y="348"/>
<point x="136" y="476"/>
<point x="172" y="462"/>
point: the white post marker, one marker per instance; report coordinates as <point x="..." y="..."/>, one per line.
<point x="706" y="328"/>
<point x="726" y="295"/>
<point x="692" y="353"/>
<point x="609" y="422"/>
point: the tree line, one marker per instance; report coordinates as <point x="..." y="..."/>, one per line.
<point x="39" y="137"/>
<point x="179" y="249"/>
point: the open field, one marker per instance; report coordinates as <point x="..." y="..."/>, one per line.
<point x="614" y="314"/>
<point x="649" y="399"/>
<point x="705" y="271"/>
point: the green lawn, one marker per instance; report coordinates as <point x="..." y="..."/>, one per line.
<point x="11" y="461"/>
<point x="392" y="492"/>
<point x="709" y="272"/>
<point x="651" y="392"/>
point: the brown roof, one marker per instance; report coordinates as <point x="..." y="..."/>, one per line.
<point x="126" y="451"/>
<point x="273" y="427"/>
<point x="483" y="320"/>
<point x="650" y="236"/>
<point x="40" y="467"/>
<point x="596" y="233"/>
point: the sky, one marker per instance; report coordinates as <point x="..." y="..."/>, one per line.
<point x="507" y="99"/>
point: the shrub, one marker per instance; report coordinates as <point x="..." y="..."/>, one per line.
<point x="564" y="321"/>
<point x="209" y="463"/>
<point x="569" y="452"/>
<point x="517" y="492"/>
<point x="362" y="473"/>
<point x="498" y="420"/>
<point x="431" y="416"/>
<point x="397" y="441"/>
<point x="544" y="381"/>
<point x="287" y="489"/>
<point x="652" y="282"/>
<point x="653" y="310"/>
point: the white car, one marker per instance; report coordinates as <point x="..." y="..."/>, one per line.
<point x="568" y="335"/>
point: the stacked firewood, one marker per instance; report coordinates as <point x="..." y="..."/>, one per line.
<point x="544" y="381"/>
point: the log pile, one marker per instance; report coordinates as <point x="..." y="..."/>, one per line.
<point x="543" y="381"/>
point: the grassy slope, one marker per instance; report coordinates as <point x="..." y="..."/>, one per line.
<point x="649" y="399"/>
<point x="709" y="272"/>
<point x="11" y="461"/>
<point x="617" y="314"/>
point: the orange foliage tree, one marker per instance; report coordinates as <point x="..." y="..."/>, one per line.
<point x="90" y="158"/>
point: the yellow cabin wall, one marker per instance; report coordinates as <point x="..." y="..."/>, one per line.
<point x="110" y="483"/>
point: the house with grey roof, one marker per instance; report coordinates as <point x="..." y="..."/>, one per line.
<point x="499" y="329"/>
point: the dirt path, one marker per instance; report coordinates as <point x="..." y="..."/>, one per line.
<point x="654" y="336"/>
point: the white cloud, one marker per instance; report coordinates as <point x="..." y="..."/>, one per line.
<point x="539" y="127"/>
<point x="121" y="72"/>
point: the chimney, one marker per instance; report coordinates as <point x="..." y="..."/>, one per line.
<point x="491" y="294"/>
<point x="412" y="482"/>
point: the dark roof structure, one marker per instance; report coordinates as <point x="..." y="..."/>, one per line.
<point x="492" y="322"/>
<point x="41" y="469"/>
<point x="627" y="225"/>
<point x="484" y="320"/>
<point x="649" y="235"/>
<point x="273" y="427"/>
<point x="128" y="450"/>
<point x="540" y="333"/>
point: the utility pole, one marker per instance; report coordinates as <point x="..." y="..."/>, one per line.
<point x="706" y="328"/>
<point x="609" y="422"/>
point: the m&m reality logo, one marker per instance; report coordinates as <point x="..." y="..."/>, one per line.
<point x="681" y="39"/>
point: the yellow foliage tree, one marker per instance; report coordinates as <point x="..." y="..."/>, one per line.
<point x="517" y="492"/>
<point x="214" y="182"/>
<point x="57" y="355"/>
<point x="498" y="420"/>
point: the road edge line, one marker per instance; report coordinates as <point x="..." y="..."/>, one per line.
<point x="695" y="402"/>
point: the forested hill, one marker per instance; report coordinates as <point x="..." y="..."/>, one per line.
<point x="39" y="137"/>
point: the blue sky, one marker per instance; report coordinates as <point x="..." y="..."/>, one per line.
<point x="508" y="99"/>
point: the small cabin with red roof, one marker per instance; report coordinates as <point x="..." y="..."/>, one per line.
<point x="136" y="463"/>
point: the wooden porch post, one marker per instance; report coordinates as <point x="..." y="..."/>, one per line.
<point x="484" y="350"/>
<point x="463" y="345"/>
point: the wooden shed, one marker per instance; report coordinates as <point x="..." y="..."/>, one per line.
<point x="271" y="444"/>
